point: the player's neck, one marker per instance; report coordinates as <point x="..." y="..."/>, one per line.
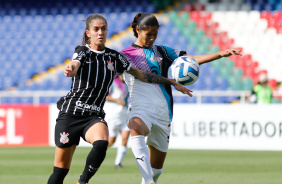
<point x="140" y="44"/>
<point x="98" y="48"/>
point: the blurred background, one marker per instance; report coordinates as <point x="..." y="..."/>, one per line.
<point x="38" y="40"/>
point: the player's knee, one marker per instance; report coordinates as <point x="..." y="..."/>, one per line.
<point x="101" y="145"/>
<point x="112" y="140"/>
<point x="137" y="128"/>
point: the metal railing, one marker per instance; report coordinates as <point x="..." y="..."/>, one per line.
<point x="214" y="93"/>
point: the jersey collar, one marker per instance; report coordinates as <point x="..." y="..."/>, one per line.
<point x="97" y="51"/>
<point x="134" y="45"/>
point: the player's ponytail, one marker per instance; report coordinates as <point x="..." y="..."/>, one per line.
<point x="143" y="20"/>
<point x="134" y="23"/>
<point x="86" y="39"/>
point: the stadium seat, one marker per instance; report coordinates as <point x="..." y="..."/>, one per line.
<point x="247" y="84"/>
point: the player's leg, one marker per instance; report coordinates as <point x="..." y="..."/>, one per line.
<point x="97" y="135"/>
<point x="138" y="130"/>
<point x="158" y="141"/>
<point x="67" y="136"/>
<point x="113" y="131"/>
<point x="157" y="159"/>
<point x="112" y="140"/>
<point x="122" y="149"/>
<point x="62" y="162"/>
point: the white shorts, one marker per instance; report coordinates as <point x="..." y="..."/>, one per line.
<point x="115" y="129"/>
<point x="158" y="136"/>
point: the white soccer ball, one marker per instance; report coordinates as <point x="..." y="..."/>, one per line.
<point x="185" y="70"/>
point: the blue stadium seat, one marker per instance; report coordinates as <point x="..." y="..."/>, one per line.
<point x="269" y="7"/>
<point x="279" y="6"/>
<point x="218" y="99"/>
<point x="207" y="99"/>
<point x="46" y="100"/>
<point x="231" y="99"/>
<point x="258" y="6"/>
<point x="222" y="83"/>
<point x="180" y="99"/>
<point x="26" y="100"/>
<point x="191" y="99"/>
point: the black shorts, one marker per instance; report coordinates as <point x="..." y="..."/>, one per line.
<point x="69" y="128"/>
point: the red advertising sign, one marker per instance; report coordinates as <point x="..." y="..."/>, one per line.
<point x="24" y="125"/>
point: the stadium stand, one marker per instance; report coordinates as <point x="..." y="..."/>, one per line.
<point x="45" y="34"/>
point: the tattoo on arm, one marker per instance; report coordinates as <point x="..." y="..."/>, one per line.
<point x="156" y="79"/>
<point x="148" y="76"/>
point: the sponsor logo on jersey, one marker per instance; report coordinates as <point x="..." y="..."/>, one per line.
<point x="89" y="62"/>
<point x="64" y="138"/>
<point x="110" y="65"/>
<point x="110" y="54"/>
<point x="86" y="106"/>
<point x="156" y="59"/>
<point x="80" y="55"/>
<point x="122" y="59"/>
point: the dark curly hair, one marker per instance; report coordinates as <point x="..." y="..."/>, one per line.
<point x="143" y="20"/>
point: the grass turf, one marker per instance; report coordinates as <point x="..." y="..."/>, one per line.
<point x="33" y="165"/>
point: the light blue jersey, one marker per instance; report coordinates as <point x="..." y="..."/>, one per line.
<point x="156" y="99"/>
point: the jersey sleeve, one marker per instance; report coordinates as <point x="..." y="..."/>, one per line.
<point x="173" y="53"/>
<point x="80" y="54"/>
<point x="122" y="64"/>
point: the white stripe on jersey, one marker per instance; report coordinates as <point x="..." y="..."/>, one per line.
<point x="108" y="87"/>
<point x="89" y="71"/>
<point x="97" y="71"/>
<point x="80" y="83"/>
<point x="102" y="82"/>
<point x="76" y="91"/>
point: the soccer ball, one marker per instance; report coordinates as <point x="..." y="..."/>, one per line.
<point x="185" y="70"/>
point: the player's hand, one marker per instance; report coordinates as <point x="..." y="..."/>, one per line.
<point x="69" y="70"/>
<point x="229" y="52"/>
<point x="183" y="89"/>
<point x="121" y="102"/>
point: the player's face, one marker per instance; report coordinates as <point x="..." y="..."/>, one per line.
<point x="97" y="33"/>
<point x="147" y="37"/>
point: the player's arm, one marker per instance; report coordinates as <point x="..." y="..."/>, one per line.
<point x="149" y="77"/>
<point x="71" y="68"/>
<point x="201" y="59"/>
<point x="116" y="100"/>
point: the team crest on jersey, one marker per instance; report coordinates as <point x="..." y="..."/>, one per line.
<point x="110" y="65"/>
<point x="156" y="59"/>
<point x="64" y="138"/>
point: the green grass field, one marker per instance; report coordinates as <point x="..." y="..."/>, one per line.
<point x="33" y="165"/>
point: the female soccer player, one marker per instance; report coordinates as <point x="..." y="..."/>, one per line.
<point x="92" y="69"/>
<point x="150" y="112"/>
<point x="116" y="110"/>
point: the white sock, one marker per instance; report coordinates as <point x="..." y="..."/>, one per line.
<point x="121" y="151"/>
<point x="156" y="174"/>
<point x="141" y="154"/>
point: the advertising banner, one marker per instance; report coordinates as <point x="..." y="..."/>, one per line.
<point x="24" y="125"/>
<point x="234" y="127"/>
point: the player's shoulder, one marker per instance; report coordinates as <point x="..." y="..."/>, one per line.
<point x="130" y="49"/>
<point x="107" y="50"/>
<point x="164" y="47"/>
<point x="83" y="48"/>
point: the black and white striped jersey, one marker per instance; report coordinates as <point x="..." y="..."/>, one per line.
<point x="94" y="77"/>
